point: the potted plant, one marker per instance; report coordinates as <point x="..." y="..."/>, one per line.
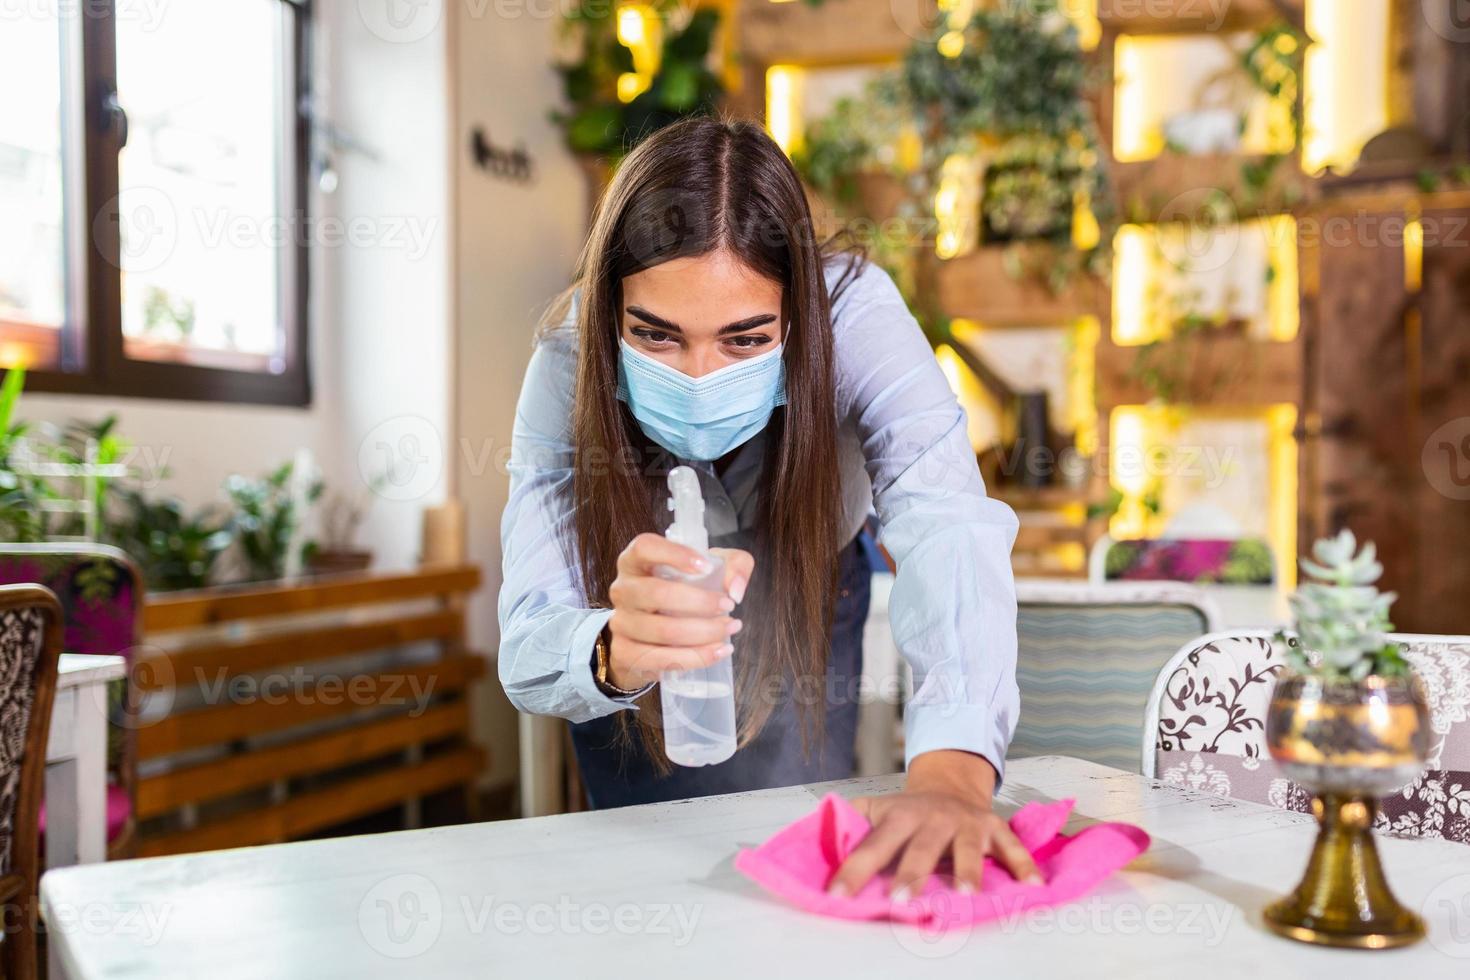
<point x="176" y="550"/>
<point x="342" y="516"/>
<point x="1349" y="722"/>
<point x="265" y="521"/>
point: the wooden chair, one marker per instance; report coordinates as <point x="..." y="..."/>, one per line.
<point x="1206" y="729"/>
<point x="101" y="592"/>
<point x="30" y="643"/>
<point x="1086" y="659"/>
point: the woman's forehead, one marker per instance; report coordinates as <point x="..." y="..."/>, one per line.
<point x="702" y="291"/>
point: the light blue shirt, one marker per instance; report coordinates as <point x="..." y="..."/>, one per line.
<point x="903" y="451"/>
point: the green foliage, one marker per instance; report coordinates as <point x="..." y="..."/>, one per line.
<point x="596" y="121"/>
<point x="20" y="516"/>
<point x="1108" y="507"/>
<point x="1274" y="62"/>
<point x="1119" y="559"/>
<point x="1248" y="563"/>
<point x="1015" y="96"/>
<point x="264" y="519"/>
<point x="1341" y="617"/>
<point x="176" y="550"/>
<point x="856" y="136"/>
<point x="1021" y="71"/>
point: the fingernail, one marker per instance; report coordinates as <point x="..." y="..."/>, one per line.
<point x="727" y="605"/>
<point x="700" y="564"/>
<point x="900" y="895"/>
<point x="734" y="627"/>
<point x="1033" y="879"/>
<point x="838" y="890"/>
<point x="724" y="651"/>
<point x="737" y="589"/>
<point x="965" y="888"/>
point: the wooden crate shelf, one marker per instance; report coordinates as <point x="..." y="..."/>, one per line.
<point x="1176" y="186"/>
<point x="839" y="32"/>
<point x="1219" y="368"/>
<point x="354" y="698"/>
<point x="1194" y="16"/>
<point x="981" y="287"/>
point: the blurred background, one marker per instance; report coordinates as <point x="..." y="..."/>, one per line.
<point x="270" y="270"/>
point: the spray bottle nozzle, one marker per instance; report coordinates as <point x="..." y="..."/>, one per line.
<point x="687" y="503"/>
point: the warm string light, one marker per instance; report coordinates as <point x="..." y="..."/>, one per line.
<point x="783" y="117"/>
<point x="638" y="30"/>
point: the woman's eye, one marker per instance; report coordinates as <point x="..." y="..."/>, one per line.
<point x="650" y="335"/>
<point x="750" y="341"/>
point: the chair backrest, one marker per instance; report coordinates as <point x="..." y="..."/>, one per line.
<point x="99" y="587"/>
<point x="1212" y="561"/>
<point x="1206" y="730"/>
<point x="1087" y="656"/>
<point x="30" y="644"/>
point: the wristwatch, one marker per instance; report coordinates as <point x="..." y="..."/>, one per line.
<point x="601" y="655"/>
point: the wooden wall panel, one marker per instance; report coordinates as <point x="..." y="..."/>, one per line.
<point x="1442" y="434"/>
<point x="1387" y="397"/>
<point x="1357" y="466"/>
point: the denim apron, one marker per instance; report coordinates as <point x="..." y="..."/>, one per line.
<point x="618" y="772"/>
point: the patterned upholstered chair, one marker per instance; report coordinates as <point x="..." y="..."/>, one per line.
<point x="30" y="643"/>
<point x="1087" y="659"/>
<point x="1206" y="729"/>
<point x="101" y="594"/>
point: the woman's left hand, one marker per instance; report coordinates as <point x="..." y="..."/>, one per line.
<point x="943" y="811"/>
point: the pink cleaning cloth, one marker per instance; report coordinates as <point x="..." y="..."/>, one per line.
<point x="799" y="862"/>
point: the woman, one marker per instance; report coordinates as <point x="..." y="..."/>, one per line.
<point x="706" y="326"/>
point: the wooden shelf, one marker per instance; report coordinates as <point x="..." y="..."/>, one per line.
<point x="1174" y="186"/>
<point x="1217" y="368"/>
<point x="1040" y="498"/>
<point x="979" y="286"/>
<point x="1195" y="16"/>
<point x="839" y="32"/>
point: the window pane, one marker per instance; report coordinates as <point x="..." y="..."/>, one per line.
<point x="203" y="239"/>
<point x="32" y="239"/>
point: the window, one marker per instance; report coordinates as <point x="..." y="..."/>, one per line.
<point x="152" y="198"/>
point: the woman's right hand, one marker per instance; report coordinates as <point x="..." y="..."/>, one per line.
<point x="658" y="624"/>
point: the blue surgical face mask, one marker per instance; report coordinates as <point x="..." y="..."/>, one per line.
<point x="701" y="418"/>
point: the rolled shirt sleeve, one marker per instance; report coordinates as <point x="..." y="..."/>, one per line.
<point x="953" y="605"/>
<point x="547" y="632"/>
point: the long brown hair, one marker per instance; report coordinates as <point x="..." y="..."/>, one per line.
<point x="687" y="190"/>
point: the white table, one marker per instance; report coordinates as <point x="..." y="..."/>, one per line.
<point x="76" y="760"/>
<point x="649" y="891"/>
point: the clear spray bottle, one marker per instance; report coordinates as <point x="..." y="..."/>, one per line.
<point x="698" y="704"/>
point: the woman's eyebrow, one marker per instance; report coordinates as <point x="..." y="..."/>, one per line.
<point x="653" y="320"/>
<point x="739" y="326"/>
<point x="749" y="323"/>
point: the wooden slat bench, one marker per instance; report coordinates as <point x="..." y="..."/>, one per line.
<point x="271" y="712"/>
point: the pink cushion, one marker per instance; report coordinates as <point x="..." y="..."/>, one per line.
<point x="119" y="809"/>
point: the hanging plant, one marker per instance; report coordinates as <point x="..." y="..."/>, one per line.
<point x="607" y="121"/>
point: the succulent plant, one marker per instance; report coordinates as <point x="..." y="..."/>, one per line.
<point x="1341" y="617"/>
